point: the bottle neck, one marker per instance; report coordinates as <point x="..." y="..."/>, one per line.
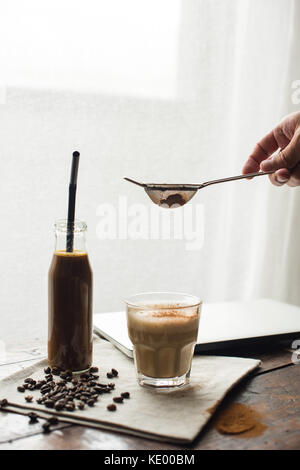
<point x="61" y="233"/>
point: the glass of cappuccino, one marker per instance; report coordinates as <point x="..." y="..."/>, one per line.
<point x="163" y="328"/>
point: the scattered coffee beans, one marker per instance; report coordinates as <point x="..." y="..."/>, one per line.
<point x="67" y="392"/>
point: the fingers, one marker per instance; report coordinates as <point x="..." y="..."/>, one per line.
<point x="286" y="158"/>
<point x="263" y="149"/>
<point x="286" y="163"/>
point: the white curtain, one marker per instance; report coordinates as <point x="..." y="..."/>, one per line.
<point x="229" y="80"/>
<point x="238" y="61"/>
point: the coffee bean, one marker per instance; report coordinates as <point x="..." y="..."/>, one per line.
<point x="33" y="417"/>
<point x="56" y="371"/>
<point x="118" y="399"/>
<point x="125" y="395"/>
<point x="111" y="407"/>
<point x="46" y="428"/>
<point x="3" y="403"/>
<point x="81" y="405"/>
<point x="31" y="387"/>
<point x="47" y="370"/>
<point x="29" y="398"/>
<point x="49" y="404"/>
<point x="45" y="387"/>
<point x="61" y="382"/>
<point x="111" y="386"/>
<point x="91" y="402"/>
<point x="53" y="420"/>
<point x="92" y="383"/>
<point x="59" y="406"/>
<point x="21" y="388"/>
<point x="85" y="375"/>
<point x="114" y="372"/>
<point x="28" y="380"/>
<point x="94" y="369"/>
<point x="57" y="397"/>
<point x="70" y="407"/>
<point x="109" y="375"/>
<point x="39" y="401"/>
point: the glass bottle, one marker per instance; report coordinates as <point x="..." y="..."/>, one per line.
<point x="70" y="302"/>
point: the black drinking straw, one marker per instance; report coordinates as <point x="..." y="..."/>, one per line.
<point x="72" y="198"/>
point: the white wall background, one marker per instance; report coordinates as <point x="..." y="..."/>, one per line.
<point x="160" y="90"/>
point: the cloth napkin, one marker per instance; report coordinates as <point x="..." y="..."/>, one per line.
<point x="174" y="416"/>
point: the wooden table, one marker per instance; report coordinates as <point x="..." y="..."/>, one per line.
<point x="273" y="391"/>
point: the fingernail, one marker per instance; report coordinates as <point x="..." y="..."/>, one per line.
<point x="282" y="179"/>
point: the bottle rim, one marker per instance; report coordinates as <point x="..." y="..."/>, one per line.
<point x="61" y="225"/>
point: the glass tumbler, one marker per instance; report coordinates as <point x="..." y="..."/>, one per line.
<point x="163" y="328"/>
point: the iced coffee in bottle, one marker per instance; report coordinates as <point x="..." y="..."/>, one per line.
<point x="70" y="323"/>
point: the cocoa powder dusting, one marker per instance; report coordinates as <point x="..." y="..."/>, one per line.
<point x="241" y="420"/>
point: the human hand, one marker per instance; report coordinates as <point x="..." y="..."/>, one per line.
<point x="286" y="164"/>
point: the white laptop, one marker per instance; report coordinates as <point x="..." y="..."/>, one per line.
<point x="222" y="325"/>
